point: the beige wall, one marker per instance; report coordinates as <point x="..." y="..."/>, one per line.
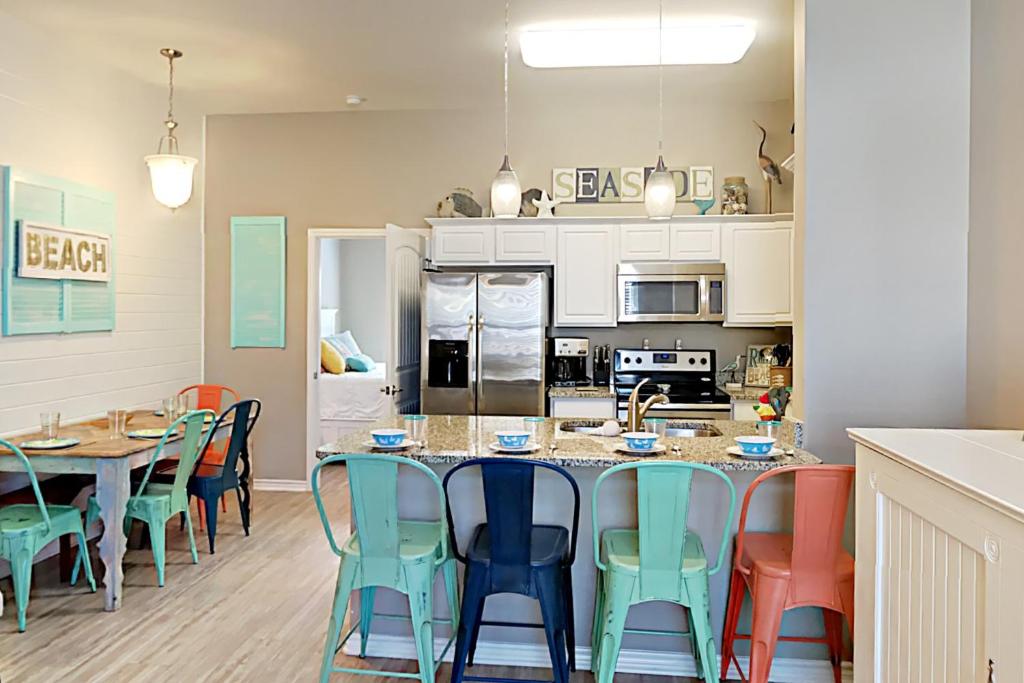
<point x="365" y="169"/>
<point x="995" y="376"/>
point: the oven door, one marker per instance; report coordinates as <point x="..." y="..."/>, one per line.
<point x="662" y="298"/>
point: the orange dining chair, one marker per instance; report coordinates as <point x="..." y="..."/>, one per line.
<point x="211" y="397"/>
<point x="782" y="571"/>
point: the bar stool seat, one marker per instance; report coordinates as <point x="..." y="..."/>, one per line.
<point x="415" y="540"/>
<point x="548" y="544"/>
<point x="621" y="547"/>
<point x="771" y="554"/>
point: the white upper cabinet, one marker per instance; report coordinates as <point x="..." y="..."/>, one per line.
<point x="759" y="273"/>
<point x="471" y="244"/>
<point x="585" y="276"/>
<point x="525" y="245"/>
<point x="694" y="242"/>
<point x="644" y="242"/>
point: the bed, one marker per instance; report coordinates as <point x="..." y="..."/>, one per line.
<point x="352" y="400"/>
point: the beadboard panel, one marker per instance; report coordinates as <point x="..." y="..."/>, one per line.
<point x="155" y="347"/>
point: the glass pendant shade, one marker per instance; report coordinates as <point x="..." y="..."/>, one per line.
<point x="660" y="192"/>
<point x="506" y="194"/>
<point x="171" y="176"/>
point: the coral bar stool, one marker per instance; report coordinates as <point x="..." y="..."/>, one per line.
<point x="808" y="568"/>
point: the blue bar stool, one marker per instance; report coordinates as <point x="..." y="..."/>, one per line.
<point x="511" y="554"/>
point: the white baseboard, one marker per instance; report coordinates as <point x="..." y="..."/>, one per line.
<point x="650" y="662"/>
<point x="280" y="484"/>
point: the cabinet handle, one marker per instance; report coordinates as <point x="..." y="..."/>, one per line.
<point x="471" y="323"/>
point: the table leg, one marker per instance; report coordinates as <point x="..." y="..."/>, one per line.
<point x="112" y="490"/>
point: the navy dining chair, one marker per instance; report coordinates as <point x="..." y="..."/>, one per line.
<point x="508" y="553"/>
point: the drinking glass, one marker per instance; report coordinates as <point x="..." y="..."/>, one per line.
<point x="656" y="425"/>
<point x="416" y="427"/>
<point x="768" y="428"/>
<point x="49" y="424"/>
<point x="117" y="423"/>
<point x="533" y="425"/>
<point x="182" y="404"/>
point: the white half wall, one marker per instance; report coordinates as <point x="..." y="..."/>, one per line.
<point x="885" y="209"/>
<point x="63" y="115"/>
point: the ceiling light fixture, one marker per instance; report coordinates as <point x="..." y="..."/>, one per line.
<point x="506" y="193"/>
<point x="696" y="42"/>
<point x="170" y="173"/>
<point x="660" y="189"/>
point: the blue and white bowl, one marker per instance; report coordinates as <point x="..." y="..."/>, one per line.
<point x="755" y="445"/>
<point x="512" y="438"/>
<point x="388" y="437"/>
<point x="640" y="441"/>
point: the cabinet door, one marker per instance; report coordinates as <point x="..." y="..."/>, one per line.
<point x="585" y="276"/>
<point x="696" y="242"/>
<point x="593" y="408"/>
<point x="648" y="242"/>
<point x="529" y="245"/>
<point x="759" y="273"/>
<point x="463" y="245"/>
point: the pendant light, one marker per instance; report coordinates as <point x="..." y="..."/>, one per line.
<point x="169" y="172"/>
<point x="506" y="194"/>
<point x="660" y="190"/>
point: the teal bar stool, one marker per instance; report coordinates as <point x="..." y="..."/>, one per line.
<point x="155" y="502"/>
<point x="26" y="529"/>
<point x="390" y="552"/>
<point x="662" y="560"/>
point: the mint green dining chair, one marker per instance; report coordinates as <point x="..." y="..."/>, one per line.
<point x="25" y="529"/>
<point x="388" y="552"/>
<point x="154" y="503"/>
<point x="661" y="560"/>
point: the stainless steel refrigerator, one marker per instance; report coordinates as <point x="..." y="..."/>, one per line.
<point x="483" y="343"/>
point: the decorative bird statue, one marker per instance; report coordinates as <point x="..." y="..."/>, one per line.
<point x="769" y="169"/>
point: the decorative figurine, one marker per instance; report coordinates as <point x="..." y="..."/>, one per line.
<point x="459" y="204"/>
<point x="546" y="206"/>
<point x="526" y="207"/>
<point x="769" y="169"/>
<point x="704" y="204"/>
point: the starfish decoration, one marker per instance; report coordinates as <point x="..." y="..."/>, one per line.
<point x="545" y="205"/>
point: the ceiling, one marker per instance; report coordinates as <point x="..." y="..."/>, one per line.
<point x="246" y="56"/>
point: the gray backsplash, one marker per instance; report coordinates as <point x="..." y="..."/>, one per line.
<point x="727" y="342"/>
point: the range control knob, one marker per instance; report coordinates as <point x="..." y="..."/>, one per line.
<point x="626" y="360"/>
<point x="693" y="361"/>
<point x="638" y="360"/>
<point x="703" y="361"/>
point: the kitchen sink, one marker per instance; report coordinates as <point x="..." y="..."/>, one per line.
<point x="675" y="430"/>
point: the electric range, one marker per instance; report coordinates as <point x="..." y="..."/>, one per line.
<point x="686" y="377"/>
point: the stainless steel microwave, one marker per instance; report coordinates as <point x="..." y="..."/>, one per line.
<point x="671" y="292"/>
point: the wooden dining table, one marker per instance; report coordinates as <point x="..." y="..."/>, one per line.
<point x="111" y="459"/>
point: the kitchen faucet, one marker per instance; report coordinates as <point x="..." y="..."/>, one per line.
<point x="636" y="412"/>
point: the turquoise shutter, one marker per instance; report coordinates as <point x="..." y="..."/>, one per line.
<point x="33" y="306"/>
<point x="258" y="281"/>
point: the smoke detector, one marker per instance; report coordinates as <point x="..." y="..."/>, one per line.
<point x="354" y="100"/>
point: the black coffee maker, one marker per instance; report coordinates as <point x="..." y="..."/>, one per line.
<point x="567" y="361"/>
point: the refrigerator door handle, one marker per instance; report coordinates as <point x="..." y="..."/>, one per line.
<point x="478" y="360"/>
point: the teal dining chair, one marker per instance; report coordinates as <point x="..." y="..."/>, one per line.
<point x="390" y="552"/>
<point x="27" y="528"/>
<point x="661" y="560"/>
<point x="153" y="502"/>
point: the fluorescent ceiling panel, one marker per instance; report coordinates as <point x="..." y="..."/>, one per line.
<point x="695" y="43"/>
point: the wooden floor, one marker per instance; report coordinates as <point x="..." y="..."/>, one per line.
<point x="255" y="611"/>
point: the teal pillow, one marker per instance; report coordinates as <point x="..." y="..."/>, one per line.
<point x="360" y="363"/>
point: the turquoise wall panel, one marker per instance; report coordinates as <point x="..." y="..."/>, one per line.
<point x="32" y="306"/>
<point x="258" y="281"/>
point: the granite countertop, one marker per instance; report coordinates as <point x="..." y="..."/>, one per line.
<point x="581" y="392"/>
<point x="453" y="438"/>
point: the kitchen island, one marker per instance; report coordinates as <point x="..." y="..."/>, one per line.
<point x="452" y="439"/>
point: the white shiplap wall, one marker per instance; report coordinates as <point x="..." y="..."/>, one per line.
<point x="64" y="115"/>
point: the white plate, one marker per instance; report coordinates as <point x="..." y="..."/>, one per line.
<point x="654" y="450"/>
<point x="49" y="444"/>
<point x="406" y="443"/>
<point x="154" y="433"/>
<point x="738" y="452"/>
<point x="528" y="448"/>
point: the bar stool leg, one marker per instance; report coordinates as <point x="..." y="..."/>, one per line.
<point x="570" y="619"/>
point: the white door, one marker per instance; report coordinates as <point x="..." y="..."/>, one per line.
<point x="585" y="276"/>
<point x="405" y="250"/>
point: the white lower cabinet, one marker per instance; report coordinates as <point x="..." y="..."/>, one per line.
<point x="940" y="562"/>
<point x="744" y="410"/>
<point x="594" y="408"/>
<point x="759" y="273"/>
<point x="585" y="275"/>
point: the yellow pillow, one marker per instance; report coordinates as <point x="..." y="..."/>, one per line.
<point x="331" y="359"/>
